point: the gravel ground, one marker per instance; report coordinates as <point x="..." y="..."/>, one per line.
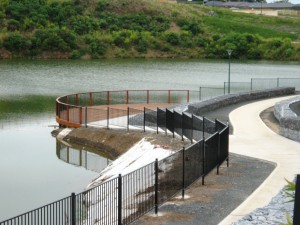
<point x="273" y="213"/>
<point x="211" y="203"/>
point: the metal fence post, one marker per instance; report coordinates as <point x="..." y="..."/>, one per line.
<point x="251" y="84"/>
<point x="107" y="98"/>
<point x="199" y="93"/>
<point x="182" y="127"/>
<point x="107" y="118"/>
<point x="183" y="172"/>
<point x="203" y="126"/>
<point x="224" y="86"/>
<point x="73" y="209"/>
<point x="127" y="118"/>
<point x="156" y="186"/>
<point x="296" y="220"/>
<point x="278" y="82"/>
<point x="203" y="162"/>
<point x="192" y="128"/>
<point x="85" y="117"/>
<point x="120" y="199"/>
<point x="227" y="144"/>
<point x="218" y="166"/>
<point x="157" y="120"/>
<point x="91" y="98"/>
<point x="144" y="119"/>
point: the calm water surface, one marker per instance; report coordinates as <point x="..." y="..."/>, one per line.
<point x="31" y="171"/>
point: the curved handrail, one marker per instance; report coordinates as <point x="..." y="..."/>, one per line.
<point x="71" y="109"/>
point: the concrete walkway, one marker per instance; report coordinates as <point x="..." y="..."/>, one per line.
<point x="251" y="137"/>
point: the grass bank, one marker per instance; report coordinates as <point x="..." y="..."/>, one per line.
<point x="141" y="28"/>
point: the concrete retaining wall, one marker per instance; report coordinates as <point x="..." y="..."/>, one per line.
<point x="218" y="102"/>
<point x="288" y="119"/>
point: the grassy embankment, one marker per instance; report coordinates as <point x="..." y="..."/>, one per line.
<point x="140" y="28"/>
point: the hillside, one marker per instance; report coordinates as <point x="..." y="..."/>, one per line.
<point x="140" y="28"/>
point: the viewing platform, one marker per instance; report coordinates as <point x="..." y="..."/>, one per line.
<point x="80" y="109"/>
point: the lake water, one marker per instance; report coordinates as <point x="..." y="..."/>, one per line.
<point x="31" y="172"/>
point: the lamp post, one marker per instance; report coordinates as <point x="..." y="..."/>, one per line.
<point x="229" y="51"/>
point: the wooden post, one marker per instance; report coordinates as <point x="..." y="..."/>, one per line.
<point x="86" y="117"/>
<point x="76" y="99"/>
<point x="80" y="115"/>
<point x="68" y="113"/>
<point x="169" y="96"/>
<point x="188" y="96"/>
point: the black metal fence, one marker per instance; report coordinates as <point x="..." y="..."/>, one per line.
<point x="296" y="219"/>
<point x="123" y="199"/>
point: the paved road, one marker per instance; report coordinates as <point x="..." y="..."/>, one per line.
<point x="210" y="204"/>
<point x="253" y="138"/>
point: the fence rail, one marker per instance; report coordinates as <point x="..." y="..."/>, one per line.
<point x="83" y="108"/>
<point x="124" y="199"/>
<point x="254" y="85"/>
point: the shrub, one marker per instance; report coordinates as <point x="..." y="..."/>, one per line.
<point x="172" y="38"/>
<point x="195" y="28"/>
<point x="16" y="43"/>
<point x="125" y="38"/>
<point x="202" y="42"/>
<point x="142" y="46"/>
<point x="183" y="22"/>
<point x="83" y="24"/>
<point x="75" y="54"/>
<point x="54" y="39"/>
<point x="278" y="49"/>
<point x="13" y="25"/>
<point x="97" y="48"/>
<point x="102" y="5"/>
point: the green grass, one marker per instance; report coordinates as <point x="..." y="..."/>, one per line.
<point x="137" y="28"/>
<point x="225" y="25"/>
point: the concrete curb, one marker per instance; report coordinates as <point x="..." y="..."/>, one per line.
<point x="212" y="104"/>
<point x="289" y="120"/>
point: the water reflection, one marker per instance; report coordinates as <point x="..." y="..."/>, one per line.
<point x="81" y="157"/>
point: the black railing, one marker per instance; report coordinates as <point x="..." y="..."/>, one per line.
<point x="124" y="199"/>
<point x="296" y="220"/>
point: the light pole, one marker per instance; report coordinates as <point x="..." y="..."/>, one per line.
<point x="229" y="51"/>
